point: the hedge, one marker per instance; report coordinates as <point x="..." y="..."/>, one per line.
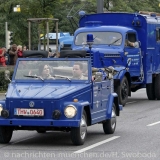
<point x="4" y="83"/>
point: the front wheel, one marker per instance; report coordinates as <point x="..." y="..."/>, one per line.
<point x="123" y="91"/>
<point x="5" y="134"/>
<point x="78" y="134"/>
<point x="109" y="125"/>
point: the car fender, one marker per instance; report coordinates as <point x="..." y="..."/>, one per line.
<point x="113" y="98"/>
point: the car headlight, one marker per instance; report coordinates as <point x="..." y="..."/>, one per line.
<point x="70" y="111"/>
<point x="1" y="108"/>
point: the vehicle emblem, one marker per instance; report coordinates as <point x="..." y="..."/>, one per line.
<point x="31" y="104"/>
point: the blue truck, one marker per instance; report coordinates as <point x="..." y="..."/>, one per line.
<point x="129" y="42"/>
<point x="65" y="40"/>
<point x="46" y="94"/>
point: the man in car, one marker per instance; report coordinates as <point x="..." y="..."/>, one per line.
<point x="78" y="71"/>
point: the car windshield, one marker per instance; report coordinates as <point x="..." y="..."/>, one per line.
<point x="52" y="70"/>
<point x="106" y="38"/>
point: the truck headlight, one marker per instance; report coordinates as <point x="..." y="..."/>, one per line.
<point x="70" y="111"/>
<point x="1" y="108"/>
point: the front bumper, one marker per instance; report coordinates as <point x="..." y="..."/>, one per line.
<point x="40" y="123"/>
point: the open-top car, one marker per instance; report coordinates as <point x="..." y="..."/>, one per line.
<point x="64" y="94"/>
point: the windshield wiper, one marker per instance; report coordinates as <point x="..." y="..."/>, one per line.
<point x="62" y="77"/>
<point x="114" y="41"/>
<point x="34" y="76"/>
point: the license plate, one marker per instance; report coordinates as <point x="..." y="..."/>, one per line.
<point x="28" y="112"/>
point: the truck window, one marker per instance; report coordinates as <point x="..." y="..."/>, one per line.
<point x="132" y="37"/>
<point x="114" y="38"/>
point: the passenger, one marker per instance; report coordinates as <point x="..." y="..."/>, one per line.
<point x="78" y="71"/>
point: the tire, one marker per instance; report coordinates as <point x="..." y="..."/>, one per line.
<point x="150" y="90"/>
<point x="41" y="131"/>
<point x="109" y="125"/>
<point x="79" y="134"/>
<point x="5" y="134"/>
<point x="157" y="87"/>
<point x="123" y="91"/>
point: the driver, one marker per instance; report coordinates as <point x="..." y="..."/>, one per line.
<point x="77" y="71"/>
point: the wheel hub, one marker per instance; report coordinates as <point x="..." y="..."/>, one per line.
<point x="113" y="119"/>
<point x="83" y="128"/>
<point x="124" y="91"/>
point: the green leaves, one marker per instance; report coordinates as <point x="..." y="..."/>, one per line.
<point x="58" y="9"/>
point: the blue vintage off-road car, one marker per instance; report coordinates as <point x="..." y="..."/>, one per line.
<point x="45" y="94"/>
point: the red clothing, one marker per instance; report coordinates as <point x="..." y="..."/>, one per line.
<point x="2" y="58"/>
<point x="20" y="54"/>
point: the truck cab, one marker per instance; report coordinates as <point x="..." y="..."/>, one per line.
<point x="47" y="94"/>
<point x="129" y="43"/>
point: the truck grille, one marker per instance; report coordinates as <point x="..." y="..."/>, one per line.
<point x="88" y="55"/>
<point x="111" y="55"/>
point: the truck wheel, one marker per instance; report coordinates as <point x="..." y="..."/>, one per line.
<point x="122" y="91"/>
<point x="109" y="125"/>
<point x="157" y="87"/>
<point x="150" y="89"/>
<point x="78" y="134"/>
<point x="5" y="134"/>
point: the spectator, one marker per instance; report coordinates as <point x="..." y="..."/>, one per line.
<point x="19" y="51"/>
<point x="25" y="48"/>
<point x="2" y="58"/>
<point x="6" y="55"/>
<point x="13" y="54"/>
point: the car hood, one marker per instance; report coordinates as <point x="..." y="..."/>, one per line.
<point x="43" y="90"/>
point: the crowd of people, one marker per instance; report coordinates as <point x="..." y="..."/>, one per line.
<point x="9" y="57"/>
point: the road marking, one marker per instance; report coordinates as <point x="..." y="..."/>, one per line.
<point x="131" y="102"/>
<point x="23" y="140"/>
<point x="97" y="144"/>
<point x="152" y="124"/>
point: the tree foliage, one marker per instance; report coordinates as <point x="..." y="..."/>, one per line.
<point x="58" y="9"/>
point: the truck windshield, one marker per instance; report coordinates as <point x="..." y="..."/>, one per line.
<point x="105" y="38"/>
<point x="52" y="70"/>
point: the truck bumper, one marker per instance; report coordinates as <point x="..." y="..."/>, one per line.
<point x="33" y="122"/>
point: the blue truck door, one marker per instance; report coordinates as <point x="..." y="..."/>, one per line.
<point x="133" y="55"/>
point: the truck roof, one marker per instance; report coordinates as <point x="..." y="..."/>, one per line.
<point x="105" y="28"/>
<point x="119" y="18"/>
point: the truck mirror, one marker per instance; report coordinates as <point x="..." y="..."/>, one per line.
<point x="139" y="43"/>
<point x="7" y="75"/>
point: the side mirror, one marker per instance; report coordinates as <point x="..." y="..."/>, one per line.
<point x="7" y="75"/>
<point x="139" y="43"/>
